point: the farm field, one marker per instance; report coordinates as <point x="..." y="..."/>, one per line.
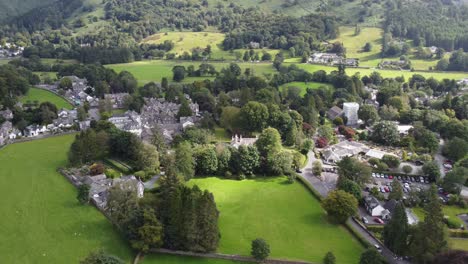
<point x="155" y="70"/>
<point x="287" y="216"/>
<point x="386" y="73"/>
<point x="42" y="221"/>
<point x="40" y="95"/>
<point x="304" y="86"/>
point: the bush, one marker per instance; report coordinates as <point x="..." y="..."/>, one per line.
<point x="110" y="173"/>
<point x="141" y="174"/>
<point x="96" y="169"/>
<point x="391" y="161"/>
<point x="260" y="249"/>
<point x="452" y="224"/>
<point x="458" y="233"/>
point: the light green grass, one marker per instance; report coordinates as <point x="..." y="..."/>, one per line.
<point x="355" y="43"/>
<point x="304" y="86"/>
<point x="450" y="211"/>
<point x="4" y="61"/>
<point x="42" y="221"/>
<point x="286" y="215"/>
<point x="459" y="243"/>
<point x="154" y="70"/>
<point x="221" y="135"/>
<point x="386" y="73"/>
<point x="40" y="95"/>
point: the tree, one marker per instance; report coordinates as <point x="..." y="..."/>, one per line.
<point x="268" y="142"/>
<point x="245" y="160"/>
<point x="81" y="113"/>
<point x="432" y="170"/>
<point x="230" y="118"/>
<point x="179" y="73"/>
<point x="340" y="205"/>
<point x="407" y="169"/>
<point x="185" y="162"/>
<point x="100" y="257"/>
<point x="354" y="170"/>
<point x="430" y="236"/>
<point x="367" y="47"/>
<point x="317" y="168"/>
<point x="184" y="109"/>
<point x="397" y="191"/>
<point x="66" y="84"/>
<point x="254" y="116"/>
<point x="371" y="256"/>
<point x="260" y="249"/>
<point x="149" y="234"/>
<point x="391" y="161"/>
<point x="83" y="193"/>
<point x="148" y="159"/>
<point x="350" y="187"/>
<point x="452" y="257"/>
<point x="368" y="113"/>
<point x="329" y="258"/>
<point x="396" y="231"/>
<point x="122" y="204"/>
<point x="206" y="161"/>
<point x="455" y="149"/>
<point x="386" y="133"/>
<point x="454" y="180"/>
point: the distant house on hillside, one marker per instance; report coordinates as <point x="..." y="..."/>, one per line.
<point x="238" y="141"/>
<point x="334" y="112"/>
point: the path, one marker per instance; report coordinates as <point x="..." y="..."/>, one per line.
<point x="439" y="159"/>
<point x="150" y="183"/>
<point x="324" y="188"/>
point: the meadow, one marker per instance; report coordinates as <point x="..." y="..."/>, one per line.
<point x="459" y="243"/>
<point x="386" y="73"/>
<point x="40" y="95"/>
<point x="42" y="222"/>
<point x="154" y="70"/>
<point x="286" y="215"/>
<point x="304" y="86"/>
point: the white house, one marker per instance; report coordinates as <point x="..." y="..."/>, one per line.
<point x="238" y="141"/>
<point x="350" y="110"/>
<point x="373" y="206"/>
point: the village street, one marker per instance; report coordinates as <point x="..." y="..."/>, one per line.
<point x="327" y="185"/>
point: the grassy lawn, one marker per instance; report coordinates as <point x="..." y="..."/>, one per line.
<point x="286" y="215"/>
<point x="169" y="259"/>
<point x="304" y="86"/>
<point x="354" y="44"/>
<point x="450" y="211"/>
<point x="221" y="135"/>
<point x="458" y="243"/>
<point x="386" y="73"/>
<point x="155" y="70"/>
<point x="40" y="95"/>
<point x="42" y="221"/>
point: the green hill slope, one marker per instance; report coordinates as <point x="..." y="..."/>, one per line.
<point x="9" y="8"/>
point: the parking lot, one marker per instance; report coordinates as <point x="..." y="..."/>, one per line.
<point x="409" y="183"/>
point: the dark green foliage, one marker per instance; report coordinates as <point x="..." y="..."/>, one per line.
<point x="396" y="231"/>
<point x="88" y="146"/>
<point x="455" y="149"/>
<point x="329" y="258"/>
<point x="184" y="109"/>
<point x="391" y="161"/>
<point x="83" y="194"/>
<point x="260" y="249"/>
<point x="206" y="161"/>
<point x="371" y="256"/>
<point x="397" y="191"/>
<point x="185" y="164"/>
<point x="455" y="179"/>
<point x="353" y="169"/>
<point x="386" y="133"/>
<point x="13" y="83"/>
<point x="254" y="116"/>
<point x="149" y="234"/>
<point x="100" y="257"/>
<point x="429" y="236"/>
<point x="432" y="170"/>
<point x="349" y="186"/>
<point x="245" y="160"/>
<point x="340" y="205"/>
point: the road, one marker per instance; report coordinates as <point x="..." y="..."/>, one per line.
<point x="440" y="159"/>
<point x="324" y="187"/>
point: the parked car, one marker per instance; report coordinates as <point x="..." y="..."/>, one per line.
<point x="390" y="177"/>
<point x="399" y="178"/>
<point x="378" y="220"/>
<point x="386" y="176"/>
<point x="377" y="247"/>
<point x="382" y="189"/>
<point x="364" y="220"/>
<point x="387" y="189"/>
<point x="373" y="175"/>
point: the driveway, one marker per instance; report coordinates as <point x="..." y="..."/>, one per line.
<point x="150" y="183"/>
<point x="439" y="159"/>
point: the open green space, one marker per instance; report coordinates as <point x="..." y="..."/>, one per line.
<point x="42" y="222"/>
<point x="304" y="86"/>
<point x="386" y="73"/>
<point x="154" y="70"/>
<point x="41" y="95"/>
<point x="450" y="211"/>
<point x="354" y="44"/>
<point x="459" y="243"/>
<point x="286" y="215"/>
<point x="170" y="259"/>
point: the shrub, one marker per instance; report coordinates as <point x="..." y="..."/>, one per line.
<point x="141" y="174"/>
<point x="96" y="169"/>
<point x="260" y="249"/>
<point x="321" y="142"/>
<point x="452" y="224"/>
<point x="110" y="173"/>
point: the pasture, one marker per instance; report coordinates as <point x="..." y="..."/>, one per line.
<point x="386" y="73"/>
<point x="304" y="86"/>
<point x="42" y="221"/>
<point x="41" y="95"/>
<point x="154" y="70"/>
<point x="286" y="215"/>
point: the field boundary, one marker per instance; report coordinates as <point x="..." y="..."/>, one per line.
<point x="227" y="257"/>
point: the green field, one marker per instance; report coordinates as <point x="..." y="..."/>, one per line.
<point x="40" y="95"/>
<point x="304" y="86"/>
<point x="450" y="211"/>
<point x="286" y="215"/>
<point x="42" y="221"/>
<point x="169" y="259"/>
<point x="459" y="243"/>
<point x="386" y="73"/>
<point x="354" y="44"/>
<point x="155" y="70"/>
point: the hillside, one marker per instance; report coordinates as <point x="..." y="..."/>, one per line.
<point x="9" y="8"/>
